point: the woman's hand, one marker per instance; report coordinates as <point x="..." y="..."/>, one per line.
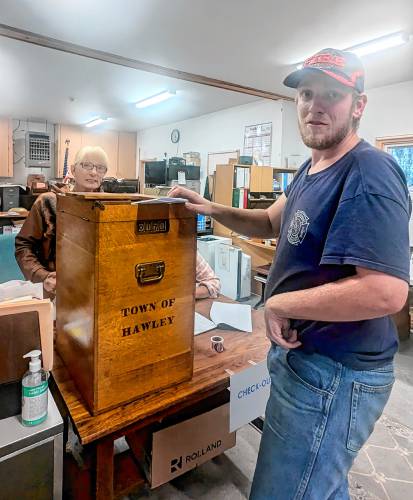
<point x="49" y="283"/>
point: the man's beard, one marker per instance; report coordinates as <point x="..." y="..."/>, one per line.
<point x="325" y="142"/>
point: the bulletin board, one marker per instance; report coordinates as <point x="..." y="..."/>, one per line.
<point x="221" y="158"/>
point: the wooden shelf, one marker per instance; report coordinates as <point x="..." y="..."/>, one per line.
<point x="284" y="170"/>
<point x="271" y="248"/>
<point x="251" y="198"/>
<point x="276" y="169"/>
<point x="6" y="215"/>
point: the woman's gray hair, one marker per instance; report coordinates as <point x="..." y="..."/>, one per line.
<point x="96" y="152"/>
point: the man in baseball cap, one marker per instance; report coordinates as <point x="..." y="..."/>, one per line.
<point x="340" y="270"/>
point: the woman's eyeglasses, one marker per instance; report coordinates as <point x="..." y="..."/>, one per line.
<point x="100" y="169"/>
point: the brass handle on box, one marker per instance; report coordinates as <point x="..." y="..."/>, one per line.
<point x="150" y="272"/>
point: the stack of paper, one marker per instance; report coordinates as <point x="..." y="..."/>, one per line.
<point x="225" y="316"/>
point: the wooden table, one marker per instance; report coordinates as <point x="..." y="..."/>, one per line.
<point x="116" y="476"/>
<point x="6" y="219"/>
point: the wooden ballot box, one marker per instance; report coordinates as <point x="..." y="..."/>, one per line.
<point x="125" y="295"/>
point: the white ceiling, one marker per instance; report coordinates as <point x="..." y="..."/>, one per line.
<point x="253" y="43"/>
<point x="37" y="83"/>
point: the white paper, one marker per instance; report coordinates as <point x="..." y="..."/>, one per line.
<point x="181" y="177"/>
<point x="240" y="178"/>
<point x="247" y="178"/>
<point x="250" y="390"/>
<point x="15" y="289"/>
<point x="165" y="199"/>
<point x="237" y="316"/>
<point x="202" y="324"/>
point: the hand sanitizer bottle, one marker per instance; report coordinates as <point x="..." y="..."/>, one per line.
<point x="34" y="391"/>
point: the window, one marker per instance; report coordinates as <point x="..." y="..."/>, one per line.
<point x="401" y="148"/>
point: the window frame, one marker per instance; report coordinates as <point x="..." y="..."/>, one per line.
<point x="395" y="140"/>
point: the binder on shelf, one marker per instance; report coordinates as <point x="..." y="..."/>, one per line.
<point x="235" y="197"/>
<point x="241" y="198"/>
<point x="241" y="177"/>
<point x="285" y="179"/>
<point x="245" y="198"/>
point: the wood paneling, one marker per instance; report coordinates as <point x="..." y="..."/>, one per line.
<point x="127" y="155"/>
<point x="255" y="179"/>
<point x="119" y="146"/>
<point x="109" y="141"/>
<point x="266" y="179"/>
<point x="6" y="147"/>
<point x="260" y="179"/>
<point x="224" y="180"/>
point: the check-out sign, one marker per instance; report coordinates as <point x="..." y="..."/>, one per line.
<point x="250" y="390"/>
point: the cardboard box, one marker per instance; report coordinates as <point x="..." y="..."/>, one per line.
<point x="182" y="447"/>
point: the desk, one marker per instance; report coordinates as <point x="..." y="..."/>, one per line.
<point x="261" y="277"/>
<point x="7" y="215"/>
<point x="115" y="476"/>
<point x="6" y="219"/>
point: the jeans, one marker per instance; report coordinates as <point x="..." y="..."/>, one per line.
<point x="319" y="414"/>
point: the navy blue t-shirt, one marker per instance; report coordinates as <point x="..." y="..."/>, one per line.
<point x="354" y="213"/>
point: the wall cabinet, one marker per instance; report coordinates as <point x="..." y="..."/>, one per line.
<point x="127" y="155"/>
<point x="228" y="178"/>
<point x="119" y="146"/>
<point x="6" y="147"/>
<point x="260" y="179"/>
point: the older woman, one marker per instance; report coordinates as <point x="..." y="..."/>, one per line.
<point x="36" y="242"/>
<point x="207" y="283"/>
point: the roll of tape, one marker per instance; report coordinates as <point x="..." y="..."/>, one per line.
<point x="217" y="343"/>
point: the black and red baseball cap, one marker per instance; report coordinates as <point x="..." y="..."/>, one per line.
<point x="343" y="66"/>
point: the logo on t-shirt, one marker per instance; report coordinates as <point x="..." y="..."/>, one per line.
<point x="298" y="227"/>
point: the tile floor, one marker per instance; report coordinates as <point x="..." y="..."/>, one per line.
<point x="382" y="471"/>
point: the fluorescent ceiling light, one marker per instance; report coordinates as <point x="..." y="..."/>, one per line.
<point x="95" y="121"/>
<point x="376" y="45"/>
<point x="155" y="99"/>
<point x="379" y="44"/>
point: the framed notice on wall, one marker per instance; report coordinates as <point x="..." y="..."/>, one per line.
<point x="258" y="142"/>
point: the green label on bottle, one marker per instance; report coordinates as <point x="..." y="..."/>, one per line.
<point x="34" y="422"/>
<point x="32" y="392"/>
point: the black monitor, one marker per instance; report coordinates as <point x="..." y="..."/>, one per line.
<point x="192" y="172"/>
<point x="113" y="185"/>
<point x="155" y="172"/>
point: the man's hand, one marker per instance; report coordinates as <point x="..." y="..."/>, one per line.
<point x="196" y="203"/>
<point x="278" y="329"/>
<point x="49" y="283"/>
